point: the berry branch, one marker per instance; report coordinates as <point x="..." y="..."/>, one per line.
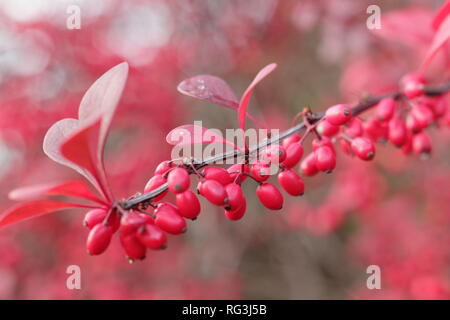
<point x="365" y="105"/>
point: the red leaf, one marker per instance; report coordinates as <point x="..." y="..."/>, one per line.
<point x="65" y="130"/>
<point x="192" y="134"/>
<point x="33" y="209"/>
<point x="243" y="104"/>
<point x="440" y="15"/>
<point x="74" y="188"/>
<point x="441" y="36"/>
<point x="214" y="90"/>
<point x="101" y="99"/>
<point x="84" y="152"/>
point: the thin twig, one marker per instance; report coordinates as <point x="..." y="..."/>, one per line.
<point x="356" y="110"/>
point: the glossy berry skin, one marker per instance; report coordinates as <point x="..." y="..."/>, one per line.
<point x="422" y="115"/>
<point x="235" y="196"/>
<point x="163" y="167"/>
<point x="291" y="182"/>
<point x="238" y="213"/>
<point x="260" y="171"/>
<point x="94" y="217"/>
<point x="213" y="191"/>
<point x="385" y="109"/>
<point x="338" y="114"/>
<point x="413" y="85"/>
<point x="324" y="142"/>
<point x="325" y="159"/>
<point x="397" y="132"/>
<point x="354" y="128"/>
<point x="133" y="247"/>
<point x="188" y="204"/>
<point x="152" y="237"/>
<point x="219" y="174"/>
<point x="291" y="139"/>
<point x="275" y="153"/>
<point x="412" y="124"/>
<point x="308" y="165"/>
<point x="294" y="153"/>
<point x="131" y="222"/>
<point x="98" y="239"/>
<point x="363" y="148"/>
<point x="375" y="129"/>
<point x="235" y="171"/>
<point x="169" y="219"/>
<point x="178" y="180"/>
<point x="155" y="182"/>
<point x="421" y="144"/>
<point x="325" y="128"/>
<point x="270" y="196"/>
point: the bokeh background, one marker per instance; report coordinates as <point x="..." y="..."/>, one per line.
<point x="392" y="212"/>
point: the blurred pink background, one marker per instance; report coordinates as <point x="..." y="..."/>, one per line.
<point x="392" y="213"/>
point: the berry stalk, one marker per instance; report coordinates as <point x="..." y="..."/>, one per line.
<point x="363" y="106"/>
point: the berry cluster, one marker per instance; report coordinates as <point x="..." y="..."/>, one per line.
<point x="399" y="119"/>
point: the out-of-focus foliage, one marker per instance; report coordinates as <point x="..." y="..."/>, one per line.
<point x="393" y="213"/>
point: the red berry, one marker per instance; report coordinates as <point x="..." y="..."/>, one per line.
<point x="325" y="128"/>
<point x="423" y="115"/>
<point x="94" y="217"/>
<point x="238" y="213"/>
<point x="213" y="191"/>
<point x="133" y="247"/>
<point x="260" y="171"/>
<point x="155" y="182"/>
<point x="325" y="159"/>
<point x="291" y="182"/>
<point x="363" y="148"/>
<point x="217" y="173"/>
<point x="323" y="142"/>
<point x="188" y="204"/>
<point x="275" y="153"/>
<point x="345" y="146"/>
<point x="385" y="109"/>
<point x="131" y="222"/>
<point x="338" y="114"/>
<point x="412" y="124"/>
<point x="98" y="239"/>
<point x="308" y="165"/>
<point x="291" y="139"/>
<point x="169" y="219"/>
<point x="294" y="153"/>
<point x="421" y="144"/>
<point x="270" y="196"/>
<point x="235" y="170"/>
<point x="397" y="132"/>
<point x="413" y="85"/>
<point x="375" y="129"/>
<point x="354" y="128"/>
<point x="178" y="180"/>
<point x="152" y="237"/>
<point x="234" y="196"/>
<point x="163" y="167"/>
